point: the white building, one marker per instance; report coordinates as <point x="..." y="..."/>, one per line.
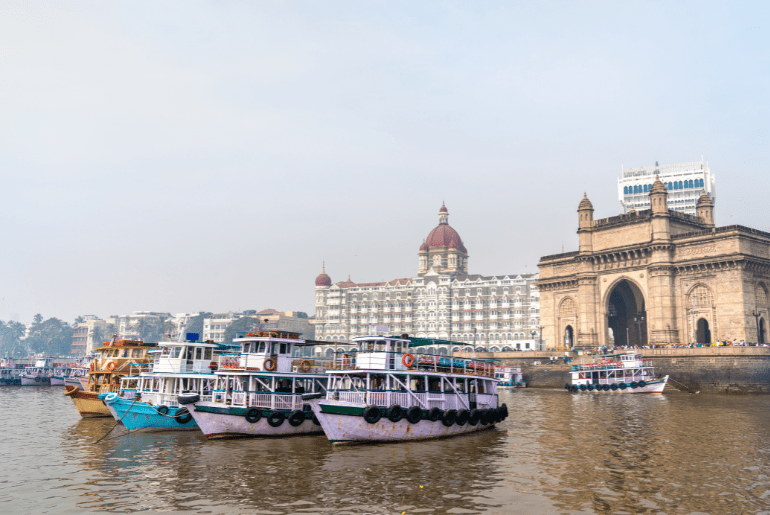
<point x="684" y="183"/>
<point x="500" y="312"/>
<point x="214" y="328"/>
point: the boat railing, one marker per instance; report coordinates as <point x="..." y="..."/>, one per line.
<point x="425" y="400"/>
<point x="268" y="400"/>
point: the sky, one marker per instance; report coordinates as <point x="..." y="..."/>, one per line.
<point x="188" y="156"/>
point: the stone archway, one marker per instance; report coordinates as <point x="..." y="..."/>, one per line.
<point x="626" y="316"/>
<point x="703" y="333"/>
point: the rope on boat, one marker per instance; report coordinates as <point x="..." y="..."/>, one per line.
<point x="116" y="423"/>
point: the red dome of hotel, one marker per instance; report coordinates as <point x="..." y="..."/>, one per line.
<point x="323" y="279"/>
<point x="444" y="235"/>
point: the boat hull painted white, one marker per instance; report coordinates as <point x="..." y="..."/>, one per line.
<point x="234" y="425"/>
<point x="30" y="381"/>
<point x="57" y="381"/>
<point x="650" y="387"/>
<point x="344" y="428"/>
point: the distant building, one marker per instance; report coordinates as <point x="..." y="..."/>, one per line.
<point x="684" y="182"/>
<point x="90" y="333"/>
<point x="444" y="301"/>
<point x="214" y="328"/>
<point x="140" y="324"/>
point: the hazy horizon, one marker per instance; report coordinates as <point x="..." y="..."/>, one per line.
<point x="209" y="156"/>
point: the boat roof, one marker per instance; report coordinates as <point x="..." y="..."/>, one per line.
<point x="363" y="371"/>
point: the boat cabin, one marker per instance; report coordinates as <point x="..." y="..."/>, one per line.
<point x="381" y="353"/>
<point x="262" y="350"/>
<point x="183" y="357"/>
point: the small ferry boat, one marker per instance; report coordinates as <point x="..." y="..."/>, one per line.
<point x="10" y="372"/>
<point x="509" y="377"/>
<point x="388" y="394"/>
<point x="627" y="372"/>
<point x="149" y="402"/>
<point x="38" y="375"/>
<point x="115" y="359"/>
<point x="78" y="375"/>
<point x="258" y="392"/>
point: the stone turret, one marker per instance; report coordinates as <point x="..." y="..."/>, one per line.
<point x="659" y="209"/>
<point x="585" y="224"/>
<point x="705" y="209"/>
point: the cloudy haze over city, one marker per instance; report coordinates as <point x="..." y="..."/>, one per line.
<point x="185" y="156"/>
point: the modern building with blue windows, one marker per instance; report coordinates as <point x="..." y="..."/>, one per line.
<point x="684" y="183"/>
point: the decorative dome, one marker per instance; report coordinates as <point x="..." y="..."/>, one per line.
<point x="424" y="246"/>
<point x="444" y="235"/>
<point x="704" y="200"/>
<point x="585" y="203"/>
<point x="657" y="186"/>
<point x="323" y="279"/>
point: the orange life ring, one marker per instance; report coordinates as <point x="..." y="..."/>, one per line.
<point x="91" y="366"/>
<point x="346" y="360"/>
<point x="408" y="360"/>
<point x="270" y="364"/>
<point x="110" y="366"/>
<point x="304" y="365"/>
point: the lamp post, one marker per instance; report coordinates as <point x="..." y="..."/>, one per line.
<point x="756" y="316"/>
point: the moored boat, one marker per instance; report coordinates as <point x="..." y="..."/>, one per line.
<point x="509" y="377"/>
<point x="389" y="394"/>
<point x="39" y="374"/>
<point x="10" y="372"/>
<point x="258" y="392"/>
<point x="149" y="402"/>
<point x="115" y="359"/>
<point x="626" y="372"/>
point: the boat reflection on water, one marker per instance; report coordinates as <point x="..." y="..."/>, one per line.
<point x="177" y="471"/>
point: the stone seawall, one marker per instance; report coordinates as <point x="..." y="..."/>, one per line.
<point x="710" y="369"/>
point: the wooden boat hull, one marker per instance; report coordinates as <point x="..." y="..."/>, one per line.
<point x="344" y="423"/>
<point x="218" y="421"/>
<point x="142" y="417"/>
<point x="88" y="404"/>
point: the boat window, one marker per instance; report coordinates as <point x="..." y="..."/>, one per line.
<point x="380" y="347"/>
<point x="208" y="354"/>
<point x="434" y="384"/>
<point x="417" y="383"/>
<point x="283" y="348"/>
<point x="188" y="353"/>
<point x="377" y="382"/>
<point x="126" y="353"/>
<point x="274" y="349"/>
<point x="460" y="385"/>
<point x="482" y="386"/>
<point x="175" y="352"/>
<point x="136" y="353"/>
<point x="261" y="347"/>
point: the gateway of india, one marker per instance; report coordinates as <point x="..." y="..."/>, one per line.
<point x="656" y="276"/>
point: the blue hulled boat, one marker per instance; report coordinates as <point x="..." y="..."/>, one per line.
<point x="148" y="402"/>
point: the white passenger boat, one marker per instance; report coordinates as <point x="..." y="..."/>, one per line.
<point x="149" y="402"/>
<point x="259" y="391"/>
<point x="627" y="372"/>
<point x="509" y="377"/>
<point x="38" y="375"/>
<point x="390" y="395"/>
<point x="10" y="372"/>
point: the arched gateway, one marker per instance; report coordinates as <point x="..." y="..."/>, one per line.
<point x="656" y="277"/>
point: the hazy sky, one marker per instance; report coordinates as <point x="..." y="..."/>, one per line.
<point x="184" y="156"/>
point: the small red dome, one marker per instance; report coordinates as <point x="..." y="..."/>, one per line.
<point x="443" y="209"/>
<point x="323" y="279"/>
<point x="424" y="246"/>
<point x="445" y="236"/>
